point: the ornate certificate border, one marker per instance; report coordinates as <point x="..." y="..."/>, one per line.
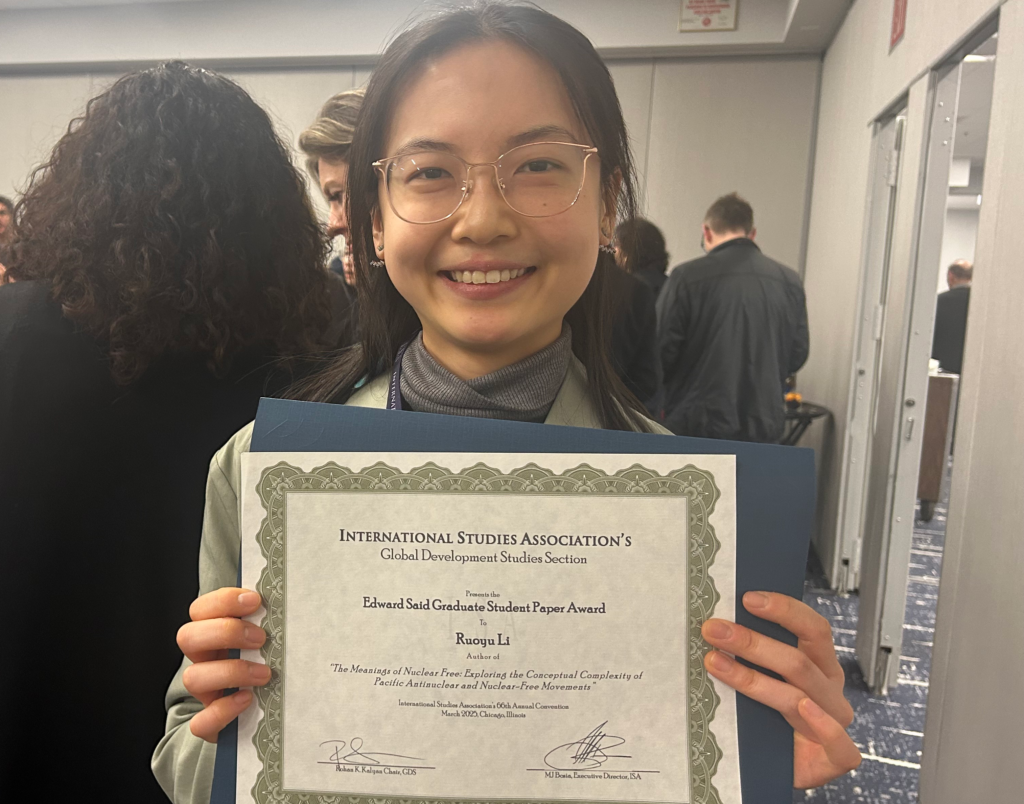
<point x="696" y="484"/>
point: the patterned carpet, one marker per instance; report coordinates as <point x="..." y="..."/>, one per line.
<point x="888" y="730"/>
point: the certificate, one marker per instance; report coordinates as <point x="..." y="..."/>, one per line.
<point x="488" y="627"/>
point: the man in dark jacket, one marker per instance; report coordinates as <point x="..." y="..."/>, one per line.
<point x="951" y="318"/>
<point x="732" y="325"/>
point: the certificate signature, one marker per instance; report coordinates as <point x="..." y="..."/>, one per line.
<point x="586" y="753"/>
<point x="353" y="752"/>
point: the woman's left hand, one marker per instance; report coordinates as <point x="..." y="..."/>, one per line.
<point x="811" y="697"/>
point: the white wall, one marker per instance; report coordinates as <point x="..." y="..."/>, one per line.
<point x="959" y="237"/>
<point x="688" y="121"/>
<point x="723" y="125"/>
<point x="34" y="112"/>
<point x="861" y="78"/>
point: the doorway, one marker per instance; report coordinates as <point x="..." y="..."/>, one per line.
<point x="887" y="148"/>
<point x="913" y="431"/>
<point x="884" y="632"/>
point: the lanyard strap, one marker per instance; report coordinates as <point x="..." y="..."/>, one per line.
<point x="395" y="387"/>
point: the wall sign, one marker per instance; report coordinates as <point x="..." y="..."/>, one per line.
<point x="707" y="15"/>
<point x="899" y="22"/>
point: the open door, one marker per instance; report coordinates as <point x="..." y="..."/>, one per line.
<point x="887" y="145"/>
<point x="895" y="449"/>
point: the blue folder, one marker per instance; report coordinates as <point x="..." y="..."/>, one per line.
<point x="774" y="515"/>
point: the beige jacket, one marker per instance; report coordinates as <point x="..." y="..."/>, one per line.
<point x="183" y="763"/>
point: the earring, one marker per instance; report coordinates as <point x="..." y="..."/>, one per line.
<point x="376" y="263"/>
<point x="607" y="248"/>
<point x="380" y="247"/>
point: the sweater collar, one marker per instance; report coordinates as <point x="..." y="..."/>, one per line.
<point x="524" y="391"/>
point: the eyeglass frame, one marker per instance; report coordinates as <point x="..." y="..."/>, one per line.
<point x="382" y="165"/>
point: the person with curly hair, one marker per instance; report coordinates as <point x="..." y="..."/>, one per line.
<point x="326" y="144"/>
<point x="167" y="264"/>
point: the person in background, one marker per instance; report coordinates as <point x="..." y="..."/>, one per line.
<point x="634" y="352"/>
<point x="6" y="230"/>
<point x="951" y="317"/>
<point x="6" y="220"/>
<point x="326" y="145"/>
<point x="344" y="265"/>
<point x="640" y="251"/>
<point x="732" y="326"/>
<point x="167" y="258"/>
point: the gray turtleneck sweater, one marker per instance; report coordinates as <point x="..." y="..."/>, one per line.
<point x="522" y="392"/>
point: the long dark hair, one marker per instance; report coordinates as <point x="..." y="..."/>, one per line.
<point x="643" y="244"/>
<point x="387" y="319"/>
<point x="169" y="218"/>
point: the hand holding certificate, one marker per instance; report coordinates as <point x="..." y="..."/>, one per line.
<point x="811" y="697"/>
<point x="823" y="749"/>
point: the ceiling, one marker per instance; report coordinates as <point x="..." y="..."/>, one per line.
<point x="975" y="104"/>
<point x="813" y="23"/>
<point x="783" y="26"/>
<point x="34" y="4"/>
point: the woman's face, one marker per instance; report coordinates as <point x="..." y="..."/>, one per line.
<point x="479" y="101"/>
<point x="334" y="185"/>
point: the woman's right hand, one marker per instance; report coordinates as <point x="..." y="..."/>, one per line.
<point x="215" y="629"/>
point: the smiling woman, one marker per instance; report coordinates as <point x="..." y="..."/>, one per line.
<point x="525" y="173"/>
<point x="488" y="168"/>
<point x="513" y="217"/>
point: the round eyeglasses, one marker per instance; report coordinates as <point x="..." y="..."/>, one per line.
<point x="537" y="180"/>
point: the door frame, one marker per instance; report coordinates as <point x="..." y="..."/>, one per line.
<point x="892" y="490"/>
<point x="880" y="218"/>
